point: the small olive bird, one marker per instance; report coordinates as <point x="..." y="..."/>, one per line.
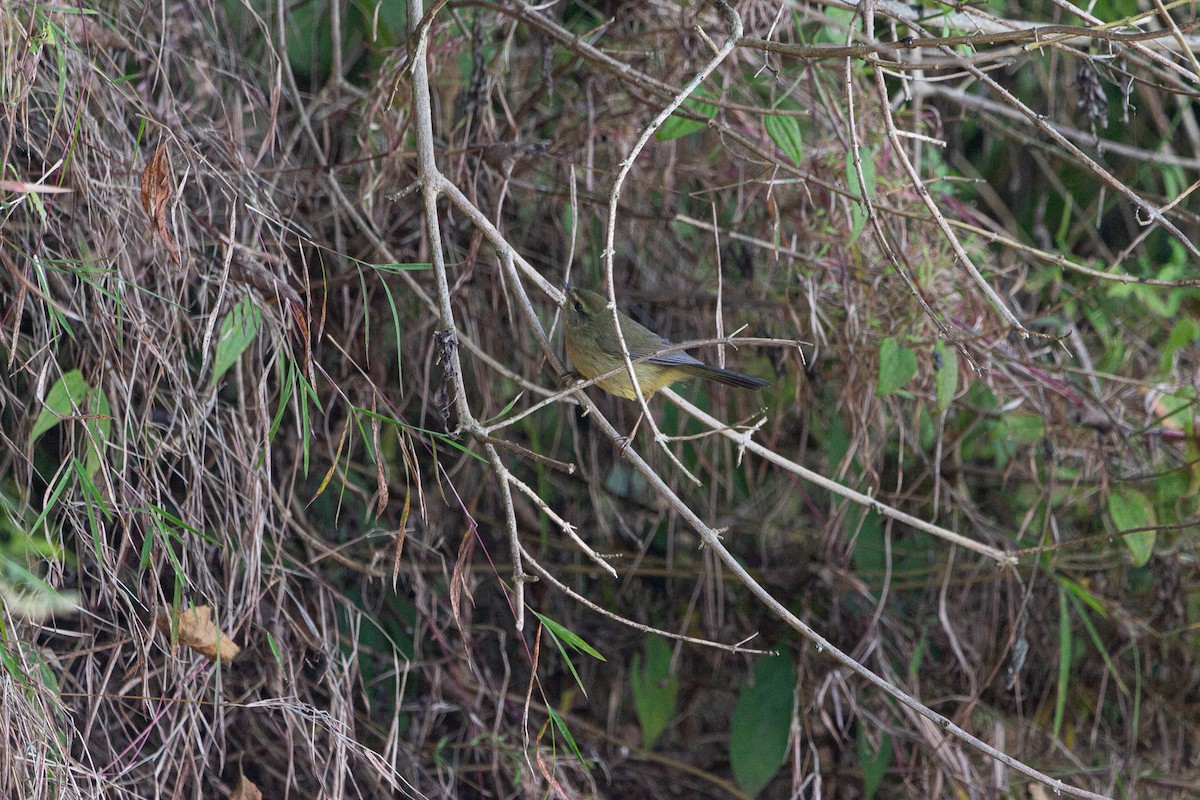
<point x="594" y="349"/>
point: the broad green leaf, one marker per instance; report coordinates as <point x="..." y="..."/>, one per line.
<point x="654" y="689"/>
<point x="677" y="126"/>
<point x="1132" y="509"/>
<point x="785" y="133"/>
<point x="310" y="39"/>
<point x="1183" y="334"/>
<point x="858" y="211"/>
<point x="65" y="398"/>
<point x="28" y="595"/>
<point x="858" y="221"/>
<point x="836" y="21"/>
<point x="762" y="723"/>
<point x="873" y="766"/>
<point x="1023" y="427"/>
<point x="238" y="330"/>
<point x="946" y="375"/>
<point x="868" y="169"/>
<point x="869" y="557"/>
<point x="926" y="432"/>
<point x="1175" y="410"/>
<point x="897" y="365"/>
<point x="1013" y="431"/>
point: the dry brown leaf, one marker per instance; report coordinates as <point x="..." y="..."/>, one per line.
<point x="245" y="790"/>
<point x="401" y="533"/>
<point x="253" y="273"/>
<point x="197" y="631"/>
<point x="458" y="578"/>
<point x="381" y="483"/>
<point x="156" y="192"/>
<point x="299" y="314"/>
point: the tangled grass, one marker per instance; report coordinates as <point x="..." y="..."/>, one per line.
<point x="245" y="371"/>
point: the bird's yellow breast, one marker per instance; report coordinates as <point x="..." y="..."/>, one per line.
<point x="651" y="377"/>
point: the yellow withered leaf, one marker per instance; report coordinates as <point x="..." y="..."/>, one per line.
<point x="197" y="631"/>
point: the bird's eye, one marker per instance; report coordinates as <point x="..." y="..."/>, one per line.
<point x="578" y="307"/>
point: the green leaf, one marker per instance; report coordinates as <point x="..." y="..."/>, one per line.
<point x="1064" y="662"/>
<point x="276" y="651"/>
<point x="677" y="126"/>
<point x="562" y="636"/>
<point x="1077" y="591"/>
<point x="762" y="723"/>
<point x="858" y="221"/>
<point x="1013" y="431"/>
<point x="98" y="426"/>
<point x="785" y="133"/>
<point x="1132" y="509"/>
<point x="569" y="637"/>
<point x="946" y="376"/>
<point x="65" y="397"/>
<point x="654" y="689"/>
<point x="310" y="39"/>
<point x="1022" y="427"/>
<point x="869" y="557"/>
<point x="69" y="395"/>
<point x="1183" y="334"/>
<point x="561" y="725"/>
<point x="507" y="408"/>
<point x="238" y="330"/>
<point x="858" y="210"/>
<point x="918" y="656"/>
<point x="398" y="267"/>
<point x="897" y="365"/>
<point x="1175" y="410"/>
<point x="867" y="157"/>
<point x="873" y="766"/>
<point x="1098" y="642"/>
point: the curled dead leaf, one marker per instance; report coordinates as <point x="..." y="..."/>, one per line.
<point x="156" y="192"/>
<point x="197" y="631"/>
<point x="245" y="790"/>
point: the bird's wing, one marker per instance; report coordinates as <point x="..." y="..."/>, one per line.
<point x="657" y="343"/>
<point x="678" y="359"/>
